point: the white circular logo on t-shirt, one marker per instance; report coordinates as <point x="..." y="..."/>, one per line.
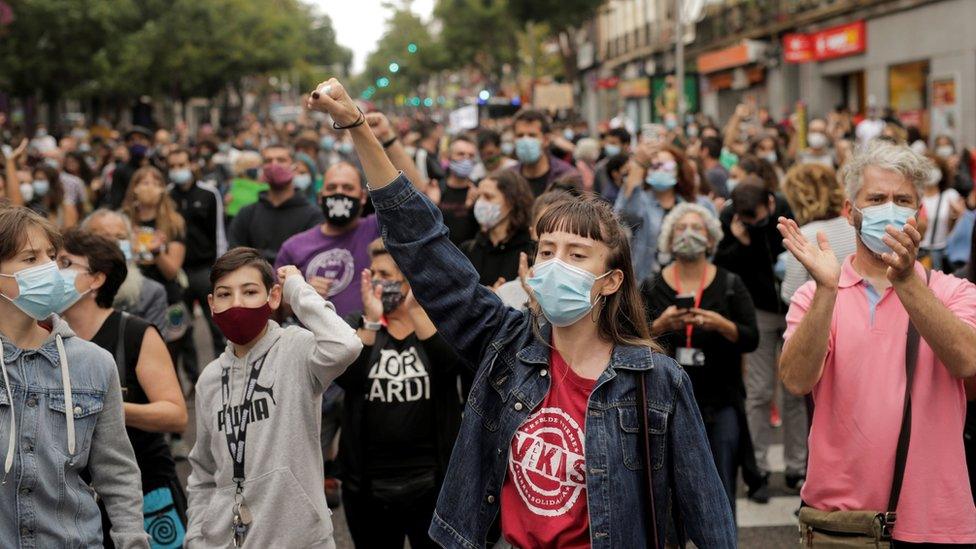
<point x="546" y="461"/>
<point x="337" y="264"/>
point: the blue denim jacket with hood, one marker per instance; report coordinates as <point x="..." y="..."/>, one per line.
<point x="512" y="379"/>
<point x="44" y="502"/>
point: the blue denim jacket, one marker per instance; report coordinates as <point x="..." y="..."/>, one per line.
<point x="512" y="379"/>
<point x="44" y="501"/>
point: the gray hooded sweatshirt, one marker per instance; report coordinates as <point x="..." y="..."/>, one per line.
<point x="44" y="502"/>
<point x="282" y="456"/>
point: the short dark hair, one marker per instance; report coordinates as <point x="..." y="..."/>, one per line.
<point x="749" y="195"/>
<point x="14" y="223"/>
<point x="620" y="133"/>
<point x="532" y="115"/>
<point x="291" y="152"/>
<point x="519" y="196"/>
<point x="176" y="151"/>
<point x="238" y="258"/>
<point x="103" y="256"/>
<point x="753" y="165"/>
<point x="712" y="146"/>
<point x="427" y="128"/>
<point x="462" y="139"/>
<point x="487" y="136"/>
<point x="571" y="183"/>
<point x="616" y="163"/>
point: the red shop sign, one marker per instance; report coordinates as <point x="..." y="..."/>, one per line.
<point x="797" y="48"/>
<point x="827" y="44"/>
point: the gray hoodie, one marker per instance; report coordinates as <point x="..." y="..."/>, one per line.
<point x="44" y="502"/>
<point x="283" y="458"/>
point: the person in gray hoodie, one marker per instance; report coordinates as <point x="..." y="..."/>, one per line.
<point x="46" y="372"/>
<point x="257" y="464"/>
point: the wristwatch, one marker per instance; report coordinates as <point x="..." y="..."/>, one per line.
<point x="371" y="326"/>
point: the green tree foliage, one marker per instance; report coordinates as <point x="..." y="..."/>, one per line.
<point x="414" y="67"/>
<point x="478" y="33"/>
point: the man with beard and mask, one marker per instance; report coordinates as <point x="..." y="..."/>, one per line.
<point x="279" y="213"/>
<point x="459" y="192"/>
<point x="749" y="249"/>
<point x="536" y="164"/>
<point x="137" y="141"/>
<point x="330" y="255"/>
<point x="202" y="208"/>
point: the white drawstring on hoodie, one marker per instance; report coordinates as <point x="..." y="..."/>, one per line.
<point x="68" y="408"/>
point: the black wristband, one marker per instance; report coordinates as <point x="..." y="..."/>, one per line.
<point x="359" y="122"/>
<point x="387" y="144"/>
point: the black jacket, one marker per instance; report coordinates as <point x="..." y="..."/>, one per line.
<point x="203" y="209"/>
<point x="502" y="261"/>
<point x="265" y="227"/>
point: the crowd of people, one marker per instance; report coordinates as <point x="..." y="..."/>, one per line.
<point x="534" y="333"/>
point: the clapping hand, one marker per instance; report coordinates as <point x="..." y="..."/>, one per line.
<point x="818" y="259"/>
<point x="372" y="302"/>
<point x="904" y="249"/>
<point x="322" y="285"/>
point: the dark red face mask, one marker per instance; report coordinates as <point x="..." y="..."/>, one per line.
<point x="242" y="324"/>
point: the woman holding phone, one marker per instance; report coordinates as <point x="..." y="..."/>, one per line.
<point x="577" y="431"/>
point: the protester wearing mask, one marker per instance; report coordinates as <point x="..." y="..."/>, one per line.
<point x="306" y="179"/>
<point x="332" y="255"/>
<point x="427" y="154"/>
<point x="93" y="269"/>
<point x="279" y="213"/>
<point x="596" y="330"/>
<point x="942" y="206"/>
<point x="45" y="371"/>
<point x="616" y="142"/>
<point x="704" y="317"/>
<point x="658" y="179"/>
<point x="717" y="176"/>
<point x="849" y="342"/>
<point x="264" y="391"/>
<point x="139" y="296"/>
<point x="401" y="413"/>
<point x="818" y="149"/>
<point x="491" y="155"/>
<point x="212" y="172"/>
<point x="459" y="192"/>
<point x="766" y="148"/>
<point x="536" y="164"/>
<point x="137" y="142"/>
<point x="503" y="209"/>
<point x="46" y="196"/>
<point x="586" y="154"/>
<point x="750" y="249"/>
<point x="202" y="209"/>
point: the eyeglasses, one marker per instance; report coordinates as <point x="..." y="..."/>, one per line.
<point x="66" y="263"/>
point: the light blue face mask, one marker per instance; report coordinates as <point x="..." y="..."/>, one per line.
<point x="327" y="142"/>
<point x="40" y="290"/>
<point x="180" y="176"/>
<point x="563" y="291"/>
<point x="70" y="295"/>
<point x="302" y="181"/>
<point x="611" y="150"/>
<point x="528" y="150"/>
<point x="661" y="180"/>
<point x="41" y="187"/>
<point x="126" y="248"/>
<point x="874" y="219"/>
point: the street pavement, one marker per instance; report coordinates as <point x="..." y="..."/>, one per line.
<point x="770" y="526"/>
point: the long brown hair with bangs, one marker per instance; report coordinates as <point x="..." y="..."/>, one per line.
<point x="168" y="219"/>
<point x="621" y="320"/>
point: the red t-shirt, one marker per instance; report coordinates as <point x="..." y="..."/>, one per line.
<point x="543" y="499"/>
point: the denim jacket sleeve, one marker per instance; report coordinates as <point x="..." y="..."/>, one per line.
<point x="698" y="488"/>
<point x="443" y="280"/>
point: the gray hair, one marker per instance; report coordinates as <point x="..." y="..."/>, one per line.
<point x="102" y="212"/>
<point x="888" y="156"/>
<point x="588" y="149"/>
<point x="712" y="225"/>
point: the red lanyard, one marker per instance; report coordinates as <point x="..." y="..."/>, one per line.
<point x="689" y="328"/>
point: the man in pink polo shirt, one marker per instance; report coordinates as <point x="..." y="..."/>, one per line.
<point x="845" y="342"/>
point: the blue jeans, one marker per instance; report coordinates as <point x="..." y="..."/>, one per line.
<point x="722" y="429"/>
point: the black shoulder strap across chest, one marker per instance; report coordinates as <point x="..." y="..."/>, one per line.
<point x="120" y="361"/>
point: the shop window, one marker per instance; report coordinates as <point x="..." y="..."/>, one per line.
<point x="908" y="90"/>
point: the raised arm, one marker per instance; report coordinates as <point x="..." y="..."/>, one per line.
<point x="11" y="178"/>
<point x="380" y="124"/>
<point x="443" y="280"/>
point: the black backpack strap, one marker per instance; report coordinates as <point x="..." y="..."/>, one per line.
<point x="642" y="410"/>
<point x="120" y="361"/>
<point x="905" y="435"/>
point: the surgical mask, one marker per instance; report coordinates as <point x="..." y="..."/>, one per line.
<point x="126" y="248"/>
<point x="462" y="168"/>
<point x="611" y="150"/>
<point x="934" y="178"/>
<point x="340" y="209"/>
<point x="874" y="220"/>
<point x="563" y="291"/>
<point x="70" y="295"/>
<point x="27" y="191"/>
<point x="731" y="183"/>
<point x="223" y="147"/>
<point x="487" y="214"/>
<point x="671" y="123"/>
<point x="528" y="150"/>
<point x="180" y="176"/>
<point x="689" y="245"/>
<point x="39" y="288"/>
<point x="769" y="157"/>
<point x="278" y="175"/>
<point x="327" y="142"/>
<point x="392" y="294"/>
<point x="242" y="324"/>
<point x="817" y="140"/>
<point x="692" y="132"/>
<point x="568" y="134"/>
<point x="302" y="181"/>
<point x="346" y="148"/>
<point x="944" y="151"/>
<point x="41" y="187"/>
<point x="661" y="180"/>
<point x="508" y="148"/>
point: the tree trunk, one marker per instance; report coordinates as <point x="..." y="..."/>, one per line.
<point x="567" y="50"/>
